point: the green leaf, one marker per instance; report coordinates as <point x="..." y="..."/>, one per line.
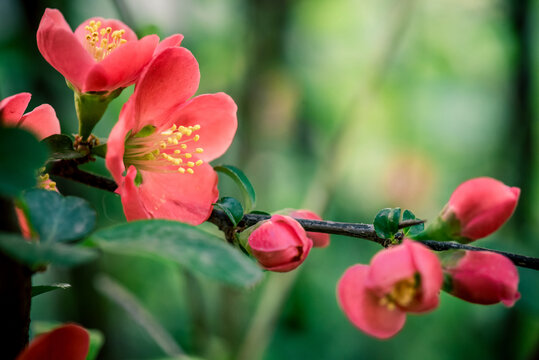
<point x="61" y="147"/>
<point x="384" y="223"/>
<point x="58" y="218"/>
<point x="21" y="155"/>
<point x="412" y="230"/>
<point x="96" y="337"/>
<point x="100" y="150"/>
<point x="394" y="219"/>
<point x="232" y="209"/>
<point x="37" y="254"/>
<point x="41" y="289"/>
<point x="189" y="246"/>
<point x="247" y="190"/>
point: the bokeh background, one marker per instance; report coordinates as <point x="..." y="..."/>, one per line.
<point x="345" y="107"/>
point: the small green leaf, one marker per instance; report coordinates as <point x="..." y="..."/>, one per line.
<point x="256" y="212"/>
<point x="21" y="155"/>
<point x="145" y="131"/>
<point x="58" y="218"/>
<point x="41" y="289"/>
<point x="186" y="245"/>
<point x="100" y="150"/>
<point x="37" y="254"/>
<point x="61" y="147"/>
<point x="386" y="222"/>
<point x="412" y="230"/>
<point x="247" y="190"/>
<point x="232" y="209"/>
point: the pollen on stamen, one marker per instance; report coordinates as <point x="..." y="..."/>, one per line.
<point x="190" y="171"/>
<point x="190" y="164"/>
<point x="181" y="170"/>
<point x="196" y="137"/>
<point x="102" y="41"/>
<point x="188" y="155"/>
<point x="199" y="150"/>
<point x="199" y="162"/>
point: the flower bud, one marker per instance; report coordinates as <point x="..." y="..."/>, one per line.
<point x="279" y="244"/>
<point x="476" y="209"/>
<point x="483" y="277"/>
<point x="319" y="239"/>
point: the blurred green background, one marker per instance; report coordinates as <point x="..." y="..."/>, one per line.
<point x="345" y="107"/>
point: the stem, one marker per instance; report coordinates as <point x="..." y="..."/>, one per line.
<point x="357" y="230"/>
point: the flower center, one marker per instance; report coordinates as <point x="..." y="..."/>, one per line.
<point x="101" y="41"/>
<point x="402" y="294"/>
<point x="168" y="151"/>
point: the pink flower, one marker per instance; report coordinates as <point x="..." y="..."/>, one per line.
<point x="481" y="205"/>
<point x="319" y="239"/>
<point x="401" y="279"/>
<point x="280" y="244"/>
<point x="68" y="342"/>
<point x="41" y="121"/>
<point x="102" y="55"/>
<point x="484" y="277"/>
<point x="165" y="142"/>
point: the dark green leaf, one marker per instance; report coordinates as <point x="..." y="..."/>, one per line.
<point x="384" y="223"/>
<point x="256" y="212"/>
<point x="58" y="218"/>
<point x="37" y="254"/>
<point x="232" y="209"/>
<point x="394" y="219"/>
<point x="189" y="246"/>
<point x="21" y="155"/>
<point x="61" y="147"/>
<point x="100" y="150"/>
<point x="247" y="190"/>
<point x="41" y="289"/>
<point x="412" y="230"/>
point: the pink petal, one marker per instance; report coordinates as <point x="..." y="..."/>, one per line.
<point x="68" y="342"/>
<point x="171" y="41"/>
<point x="116" y="142"/>
<point x="278" y="233"/>
<point x="62" y="49"/>
<point x="174" y="196"/>
<point x="134" y="209"/>
<point x="24" y="226"/>
<point x="168" y="81"/>
<point x="362" y="307"/>
<point x="115" y="24"/>
<point x="41" y="121"/>
<point x="122" y="67"/>
<point x="429" y="268"/>
<point x="12" y="108"/>
<point x="388" y="267"/>
<point x="319" y="239"/>
<point x="216" y="115"/>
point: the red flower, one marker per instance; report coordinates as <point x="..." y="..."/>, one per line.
<point x="404" y="278"/>
<point x="319" y="239"/>
<point x="68" y="342"/>
<point x="41" y="121"/>
<point x="482" y="206"/>
<point x="280" y="244"/>
<point x="484" y="277"/>
<point x="165" y="142"/>
<point x="102" y="55"/>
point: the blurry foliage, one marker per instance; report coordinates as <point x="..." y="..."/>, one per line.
<point x="394" y="103"/>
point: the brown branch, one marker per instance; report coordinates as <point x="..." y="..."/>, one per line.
<point x="68" y="169"/>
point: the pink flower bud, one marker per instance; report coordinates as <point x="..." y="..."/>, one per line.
<point x="481" y="205"/>
<point x="280" y="244"/>
<point x="404" y="278"/>
<point x="68" y="342"/>
<point x="319" y="239"/>
<point x="484" y="277"/>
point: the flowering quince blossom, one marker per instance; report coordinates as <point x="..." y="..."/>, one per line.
<point x="165" y="142"/>
<point x="404" y="278"/>
<point x="484" y="277"/>
<point x="319" y="239"/>
<point x="68" y="342"/>
<point x="102" y="55"/>
<point x="279" y="244"/>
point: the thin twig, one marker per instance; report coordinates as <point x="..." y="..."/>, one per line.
<point x="68" y="169"/>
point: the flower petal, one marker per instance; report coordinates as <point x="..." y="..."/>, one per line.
<point x="388" y="267"/>
<point x="116" y="142"/>
<point x="216" y="115"/>
<point x="122" y="67"/>
<point x="320" y="240"/>
<point x="362" y="307"/>
<point x="134" y="209"/>
<point x="68" y="342"/>
<point x="12" y="108"/>
<point x="41" y="121"/>
<point x="114" y="24"/>
<point x="62" y="49"/>
<point x="171" y="41"/>
<point x="184" y="197"/>
<point x="169" y="80"/>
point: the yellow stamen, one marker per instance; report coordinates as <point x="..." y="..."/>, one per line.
<point x="100" y="42"/>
